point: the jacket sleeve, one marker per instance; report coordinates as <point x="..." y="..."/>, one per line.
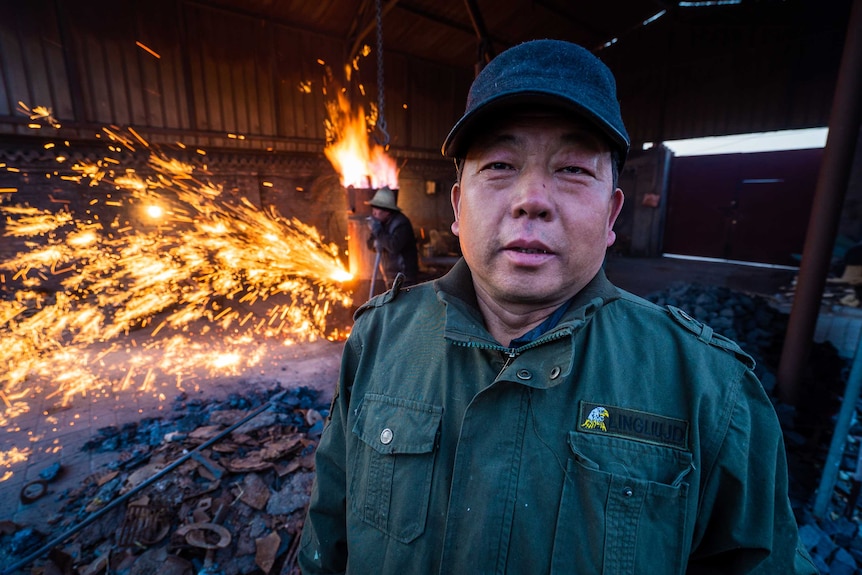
<point x="745" y="523"/>
<point x="323" y="547"/>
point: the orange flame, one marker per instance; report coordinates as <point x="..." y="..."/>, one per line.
<point x="360" y="163"/>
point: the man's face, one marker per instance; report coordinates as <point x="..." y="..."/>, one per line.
<point x="379" y="214"/>
<point x="535" y="208"/>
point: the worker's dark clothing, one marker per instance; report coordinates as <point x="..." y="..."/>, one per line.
<point x="628" y="438"/>
<point x="397" y="245"/>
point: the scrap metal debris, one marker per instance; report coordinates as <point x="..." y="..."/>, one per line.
<point x="220" y="489"/>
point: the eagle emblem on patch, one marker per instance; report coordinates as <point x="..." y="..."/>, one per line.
<point x="596" y="419"/>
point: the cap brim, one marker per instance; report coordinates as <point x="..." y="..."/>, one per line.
<point x="456" y="143"/>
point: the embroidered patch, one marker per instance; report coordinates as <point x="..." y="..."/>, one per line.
<point x="633" y="424"/>
<point x="596" y="418"/>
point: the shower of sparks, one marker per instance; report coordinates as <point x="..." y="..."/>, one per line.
<point x="40" y="113"/>
<point x="207" y="282"/>
<point x="14" y="455"/>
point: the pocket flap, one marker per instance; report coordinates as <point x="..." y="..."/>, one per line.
<point x="632" y="459"/>
<point x="390" y="425"/>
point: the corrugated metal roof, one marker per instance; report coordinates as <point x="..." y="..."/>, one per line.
<point x="700" y="68"/>
<point x="443" y="31"/>
<point x="684" y="68"/>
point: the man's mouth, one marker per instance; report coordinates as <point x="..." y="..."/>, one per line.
<point x="530" y="250"/>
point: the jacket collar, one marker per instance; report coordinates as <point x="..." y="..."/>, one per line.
<point x="464" y="322"/>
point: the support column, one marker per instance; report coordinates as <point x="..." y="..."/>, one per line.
<point x="825" y="211"/>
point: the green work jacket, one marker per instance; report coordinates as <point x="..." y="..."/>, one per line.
<point x="628" y="439"/>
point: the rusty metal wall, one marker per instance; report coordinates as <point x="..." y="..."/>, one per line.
<point x="180" y="70"/>
<point x="32" y="61"/>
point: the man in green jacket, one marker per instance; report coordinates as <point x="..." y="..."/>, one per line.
<point x="522" y="415"/>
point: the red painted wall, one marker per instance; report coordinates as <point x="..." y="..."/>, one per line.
<point x="748" y="207"/>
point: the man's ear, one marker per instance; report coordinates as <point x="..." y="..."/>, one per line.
<point x="614" y="209"/>
<point x="456" y="206"/>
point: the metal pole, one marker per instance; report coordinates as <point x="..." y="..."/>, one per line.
<point x="839" y="436"/>
<point x="825" y="211"/>
<point x="374" y="275"/>
<point x="129" y="494"/>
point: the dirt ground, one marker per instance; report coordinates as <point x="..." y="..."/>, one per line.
<point x="39" y="430"/>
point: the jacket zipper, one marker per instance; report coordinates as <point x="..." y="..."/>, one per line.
<point x="512" y="352"/>
<point x="510" y="355"/>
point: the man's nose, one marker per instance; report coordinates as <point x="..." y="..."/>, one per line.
<point x="532" y="198"/>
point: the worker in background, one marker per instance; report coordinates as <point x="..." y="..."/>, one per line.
<point x="521" y="414"/>
<point x="393" y="238"/>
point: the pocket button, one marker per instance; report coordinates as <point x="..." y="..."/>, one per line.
<point x="386" y="436"/>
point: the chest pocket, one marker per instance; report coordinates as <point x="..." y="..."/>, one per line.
<point x="623" y="508"/>
<point x="390" y="475"/>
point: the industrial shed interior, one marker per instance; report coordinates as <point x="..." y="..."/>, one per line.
<point x="183" y="188"/>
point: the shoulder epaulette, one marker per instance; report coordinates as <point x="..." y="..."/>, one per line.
<point x="382" y="299"/>
<point x="706" y="334"/>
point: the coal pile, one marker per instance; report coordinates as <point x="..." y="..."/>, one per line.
<point x="219" y="489"/>
<point x="835" y="541"/>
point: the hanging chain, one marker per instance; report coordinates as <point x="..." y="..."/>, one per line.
<point x="381" y="98"/>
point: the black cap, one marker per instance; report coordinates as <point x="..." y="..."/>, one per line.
<point x="548" y="72"/>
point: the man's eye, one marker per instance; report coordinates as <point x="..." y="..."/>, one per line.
<point x="574" y="170"/>
<point x="498" y="166"/>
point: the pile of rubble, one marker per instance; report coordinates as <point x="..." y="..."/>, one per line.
<point x="753" y="321"/>
<point x="220" y="489"/>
